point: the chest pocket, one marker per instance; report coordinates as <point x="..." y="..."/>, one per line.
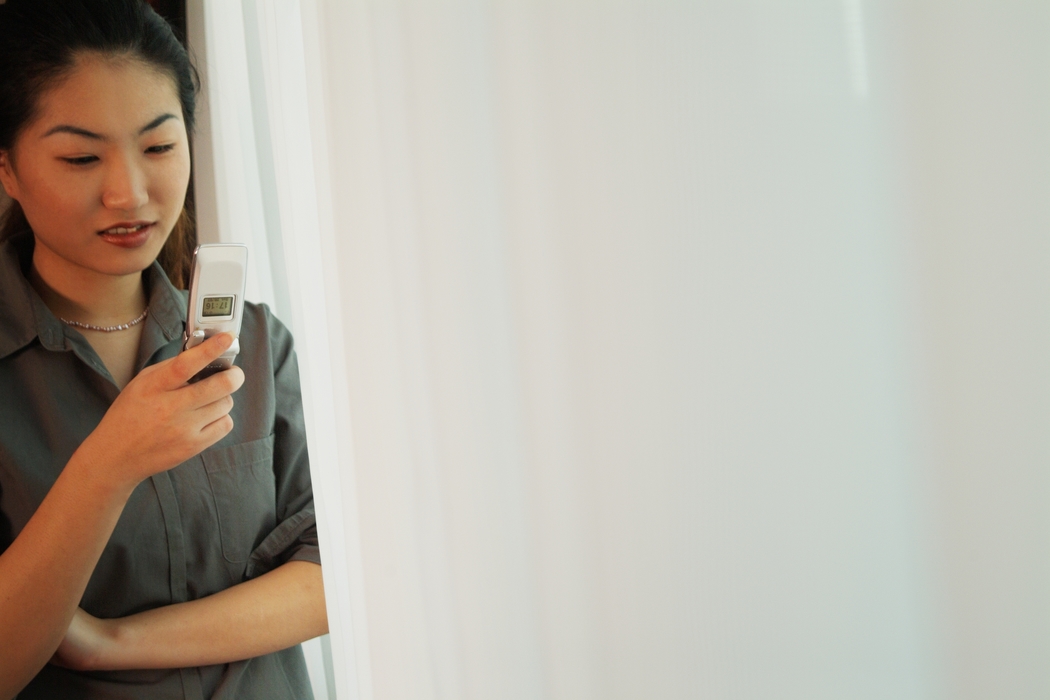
<point x="242" y="484"/>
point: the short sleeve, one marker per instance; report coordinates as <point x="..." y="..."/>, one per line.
<point x="295" y="536"/>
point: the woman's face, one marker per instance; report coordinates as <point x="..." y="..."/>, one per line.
<point x="102" y="171"/>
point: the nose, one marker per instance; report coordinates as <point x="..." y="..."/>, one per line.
<point x="124" y="187"/>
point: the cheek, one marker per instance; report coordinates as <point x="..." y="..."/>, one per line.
<point x="171" y="181"/>
<point x="51" y="196"/>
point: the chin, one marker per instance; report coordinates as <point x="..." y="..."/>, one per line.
<point x="132" y="267"/>
<point x="127" y="263"/>
<point x="115" y="260"/>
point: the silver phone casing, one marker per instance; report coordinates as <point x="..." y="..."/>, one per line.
<point x="218" y="270"/>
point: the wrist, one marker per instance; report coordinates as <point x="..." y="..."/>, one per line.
<point x="94" y="467"/>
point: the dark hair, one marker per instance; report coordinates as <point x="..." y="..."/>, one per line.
<point x="40" y="41"/>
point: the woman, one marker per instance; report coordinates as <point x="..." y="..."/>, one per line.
<point x="157" y="537"/>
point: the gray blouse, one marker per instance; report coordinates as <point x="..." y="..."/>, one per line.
<point x="233" y="512"/>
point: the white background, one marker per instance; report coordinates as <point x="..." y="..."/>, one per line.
<point x="657" y="349"/>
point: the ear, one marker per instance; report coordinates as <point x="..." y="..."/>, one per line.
<point x="7" y="175"/>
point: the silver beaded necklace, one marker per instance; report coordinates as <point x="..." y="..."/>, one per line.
<point x="107" y="329"/>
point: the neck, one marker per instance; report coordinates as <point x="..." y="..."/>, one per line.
<point x="78" y="294"/>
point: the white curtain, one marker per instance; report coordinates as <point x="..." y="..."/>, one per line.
<point x="253" y="183"/>
<point x="660" y="349"/>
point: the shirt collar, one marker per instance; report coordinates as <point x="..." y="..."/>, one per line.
<point x="167" y="305"/>
<point x="24" y="316"/>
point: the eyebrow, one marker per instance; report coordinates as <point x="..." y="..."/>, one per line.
<point x="77" y="131"/>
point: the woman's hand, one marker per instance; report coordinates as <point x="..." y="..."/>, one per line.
<point x="85" y="644"/>
<point x="159" y="421"/>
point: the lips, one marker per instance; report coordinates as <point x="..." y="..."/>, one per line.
<point x="128" y="234"/>
<point x="123" y="230"/>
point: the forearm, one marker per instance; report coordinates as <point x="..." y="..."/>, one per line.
<point x="274" y="611"/>
<point x="44" y="572"/>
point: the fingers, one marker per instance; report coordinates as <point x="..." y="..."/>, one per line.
<point x="212" y="412"/>
<point x="215" y="387"/>
<point x="215" y="431"/>
<point x="191" y="361"/>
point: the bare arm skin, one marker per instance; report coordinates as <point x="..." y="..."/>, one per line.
<point x="157" y="422"/>
<point x="272" y="612"/>
<point x="44" y="572"/>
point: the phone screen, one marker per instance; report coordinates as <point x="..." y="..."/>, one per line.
<point x="217" y="306"/>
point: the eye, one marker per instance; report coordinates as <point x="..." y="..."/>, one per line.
<point x="163" y="148"/>
<point x="81" y="160"/>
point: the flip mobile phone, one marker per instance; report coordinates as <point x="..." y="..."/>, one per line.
<point x="217" y="280"/>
